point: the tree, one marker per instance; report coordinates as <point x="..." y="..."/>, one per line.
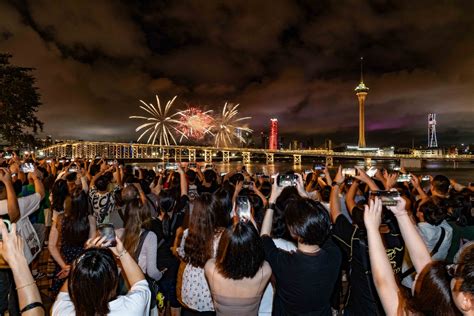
<point x="19" y="102"/>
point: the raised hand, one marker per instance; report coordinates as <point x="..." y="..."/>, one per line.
<point x="373" y="214"/>
<point x="276" y="190"/>
<point x="399" y="209"/>
<point x="11" y="246"/>
<point x="339" y="178"/>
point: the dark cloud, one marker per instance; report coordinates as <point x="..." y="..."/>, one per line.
<point x="294" y="60"/>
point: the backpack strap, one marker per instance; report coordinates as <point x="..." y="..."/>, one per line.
<point x="432" y="253"/>
<point x="140" y="244"/>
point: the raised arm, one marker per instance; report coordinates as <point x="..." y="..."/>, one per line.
<point x="382" y="272"/>
<point x="11" y="248"/>
<point x="350" y="195"/>
<point x="183" y="182"/>
<point x="335" y="202"/>
<point x="416" y="184"/>
<point x="419" y="254"/>
<point x="268" y="218"/>
<point x="39" y="187"/>
<point x="12" y="201"/>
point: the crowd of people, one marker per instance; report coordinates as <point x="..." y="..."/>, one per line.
<point x="184" y="239"/>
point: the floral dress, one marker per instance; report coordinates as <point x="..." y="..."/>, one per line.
<point x="195" y="293"/>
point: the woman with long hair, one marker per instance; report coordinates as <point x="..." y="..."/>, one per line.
<point x="140" y="241"/>
<point x="239" y="274"/>
<point x="198" y="244"/>
<point x="92" y="284"/>
<point x="69" y="233"/>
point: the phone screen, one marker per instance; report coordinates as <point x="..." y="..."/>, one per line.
<point x="27" y="167"/>
<point x="108" y="231"/>
<point x="389" y="198"/>
<point x="9" y="227"/>
<point x="243" y="207"/>
<point x="286" y="180"/>
<point x="404" y="178"/>
<point x="349" y="172"/>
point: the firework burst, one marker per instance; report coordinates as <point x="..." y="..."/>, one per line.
<point x="228" y="126"/>
<point x="195" y="123"/>
<point x="160" y="125"/>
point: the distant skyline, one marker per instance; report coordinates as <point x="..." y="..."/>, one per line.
<point x="297" y="61"/>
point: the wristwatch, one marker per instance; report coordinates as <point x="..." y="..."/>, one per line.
<point x="272" y="206"/>
<point x="334" y="183"/>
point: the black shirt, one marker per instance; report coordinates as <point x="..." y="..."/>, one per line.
<point x="304" y="282"/>
<point x="363" y="298"/>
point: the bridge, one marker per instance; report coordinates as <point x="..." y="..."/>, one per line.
<point x="191" y="153"/>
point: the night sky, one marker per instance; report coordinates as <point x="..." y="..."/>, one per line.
<point x="294" y="60"/>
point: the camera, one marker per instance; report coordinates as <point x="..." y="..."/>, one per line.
<point x="27" y="167"/>
<point x="389" y="198"/>
<point x="319" y="167"/>
<point x="404" y="177"/>
<point x="287" y="180"/>
<point x="349" y="172"/>
<point x="171" y="166"/>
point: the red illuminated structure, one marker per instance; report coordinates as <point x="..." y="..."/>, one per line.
<point x="273" y="141"/>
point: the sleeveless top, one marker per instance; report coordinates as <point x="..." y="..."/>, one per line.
<point x="238" y="306"/>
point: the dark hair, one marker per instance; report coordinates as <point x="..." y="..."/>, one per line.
<point x="93" y="282"/>
<point x="279" y="227"/>
<point x="210" y="176"/>
<point x="75" y="225"/>
<point x="441" y="184"/>
<point x="59" y="191"/>
<point x="200" y="239"/>
<point x="191" y="175"/>
<point x="432" y="291"/>
<point x="224" y="195"/>
<point x="220" y="215"/>
<point x="325" y="193"/>
<point x="236" y="177"/>
<point x="101" y="183"/>
<point x="307" y="220"/>
<point x="166" y="204"/>
<point x="464" y="268"/>
<point x="71" y="177"/>
<point x="240" y="253"/>
<point x="433" y="213"/>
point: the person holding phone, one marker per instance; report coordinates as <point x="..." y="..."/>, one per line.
<point x="68" y="235"/>
<point x="239" y="274"/>
<point x="97" y="269"/>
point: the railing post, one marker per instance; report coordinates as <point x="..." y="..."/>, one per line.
<point x="297" y="159"/>
<point x="368" y="161"/>
<point x="192" y="154"/>
<point x="177" y="154"/>
<point x="329" y="161"/>
<point x="270" y="158"/>
<point x="207" y="156"/>
<point x="225" y="157"/>
<point x="246" y="157"/>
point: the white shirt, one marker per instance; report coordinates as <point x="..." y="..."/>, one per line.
<point x="430" y="235"/>
<point x="135" y="303"/>
<point x="28" y="204"/>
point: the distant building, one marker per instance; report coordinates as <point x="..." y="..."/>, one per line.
<point x="273" y="140"/>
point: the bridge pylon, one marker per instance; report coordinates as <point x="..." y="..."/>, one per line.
<point x="225" y="157"/>
<point x="246" y="157"/>
<point x="207" y="156"/>
<point x="270" y="158"/>
<point x="329" y="161"/>
<point x="192" y="155"/>
<point x="297" y="159"/>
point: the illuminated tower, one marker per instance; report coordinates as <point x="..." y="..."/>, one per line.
<point x="361" y="93"/>
<point x="432" y="140"/>
<point x="273" y="141"/>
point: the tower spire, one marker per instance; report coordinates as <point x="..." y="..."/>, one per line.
<point x="362" y="69"/>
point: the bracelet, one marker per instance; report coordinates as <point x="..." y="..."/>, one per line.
<point x="31" y="306"/>
<point x="122" y="254"/>
<point x="26" y="285"/>
<point x="271" y="206"/>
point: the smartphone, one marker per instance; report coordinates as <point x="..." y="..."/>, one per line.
<point x="426" y="178"/>
<point x="396" y="168"/>
<point x="223" y="174"/>
<point x="208" y="166"/>
<point x="110" y="162"/>
<point x="72" y="169"/>
<point x="136" y="168"/>
<point x="349" y="172"/>
<point x="48" y="161"/>
<point x="405" y="177"/>
<point x="371" y="172"/>
<point x="286" y="180"/>
<point x="27" y="167"/>
<point x="171" y="166"/>
<point x="242" y="207"/>
<point x="265" y="177"/>
<point x="389" y="198"/>
<point x="9" y="227"/>
<point x="7" y="155"/>
<point x="307" y="171"/>
<point x="319" y="167"/>
<point x="108" y="231"/>
<point x="192" y="165"/>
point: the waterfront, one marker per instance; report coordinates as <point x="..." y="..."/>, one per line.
<point x="463" y="173"/>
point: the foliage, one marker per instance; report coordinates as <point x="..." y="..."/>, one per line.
<point x="19" y="102"/>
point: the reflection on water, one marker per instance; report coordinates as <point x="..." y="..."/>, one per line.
<point x="463" y="173"/>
